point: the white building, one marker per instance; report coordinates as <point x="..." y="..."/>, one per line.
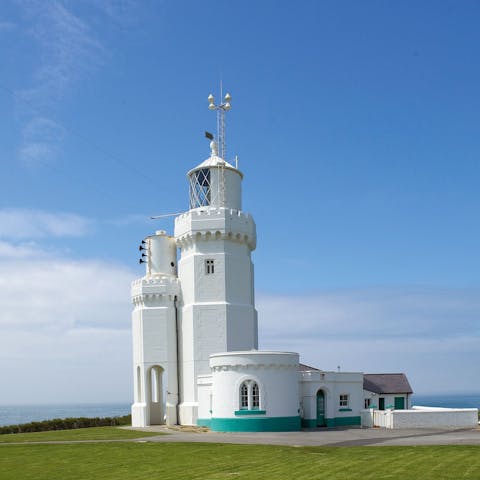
<point x="195" y="335"/>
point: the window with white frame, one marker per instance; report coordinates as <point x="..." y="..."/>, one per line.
<point x="209" y="266"/>
<point x="249" y="395"/>
<point x="368" y="402"/>
<point x="244" y="396"/>
<point x="200" y="188"/>
<point x="255" y="396"/>
<point x="344" y="400"/>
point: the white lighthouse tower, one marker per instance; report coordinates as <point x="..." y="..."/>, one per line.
<point x="207" y="306"/>
<point x="217" y="307"/>
<point x="154" y="330"/>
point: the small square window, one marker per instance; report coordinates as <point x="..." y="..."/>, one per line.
<point x="209" y="267"/>
<point x="344" y="400"/>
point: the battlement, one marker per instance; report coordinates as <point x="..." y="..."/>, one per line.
<point x="216" y="223"/>
<point x="155" y="287"/>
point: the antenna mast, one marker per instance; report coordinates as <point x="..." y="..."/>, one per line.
<point x="221" y="109"/>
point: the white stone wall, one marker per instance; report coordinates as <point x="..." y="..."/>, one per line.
<point x="204" y="389"/>
<point x="427" y="417"/>
<point x="154" y="347"/>
<point x="276" y="374"/>
<point x="217" y="311"/>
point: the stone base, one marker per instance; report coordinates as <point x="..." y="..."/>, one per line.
<point x="188" y="413"/>
<point x="139" y="415"/>
<point x="171" y="415"/>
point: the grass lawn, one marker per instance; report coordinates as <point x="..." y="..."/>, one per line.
<point x="95" y="433"/>
<point x="180" y="461"/>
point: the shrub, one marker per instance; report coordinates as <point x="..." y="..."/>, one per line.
<point x="67" y="424"/>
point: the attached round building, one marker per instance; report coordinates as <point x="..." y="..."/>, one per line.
<point x="250" y="391"/>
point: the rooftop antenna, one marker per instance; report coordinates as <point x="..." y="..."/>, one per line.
<point x="221" y="109"/>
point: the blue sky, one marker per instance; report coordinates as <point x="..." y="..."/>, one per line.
<point x="357" y="128"/>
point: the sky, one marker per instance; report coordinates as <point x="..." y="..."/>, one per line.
<point x="356" y="125"/>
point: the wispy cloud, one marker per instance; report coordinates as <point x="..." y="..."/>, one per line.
<point x="433" y="334"/>
<point x="60" y="318"/>
<point x="68" y="48"/>
<point x="6" y="26"/>
<point x="17" y="223"/>
<point x="382" y="312"/>
<point x="63" y="294"/>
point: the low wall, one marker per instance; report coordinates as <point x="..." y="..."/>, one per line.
<point x="425" y="417"/>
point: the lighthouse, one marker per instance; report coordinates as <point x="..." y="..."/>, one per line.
<point x="205" y="304"/>
<point x="194" y="326"/>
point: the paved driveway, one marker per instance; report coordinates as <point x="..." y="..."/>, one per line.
<point x="337" y="437"/>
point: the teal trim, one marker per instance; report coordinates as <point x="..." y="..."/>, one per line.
<point x="343" y="421"/>
<point x="204" y="422"/>
<point x="344" y="409"/>
<point x="265" y="424"/>
<point x="250" y="412"/>
<point x="309" y="423"/>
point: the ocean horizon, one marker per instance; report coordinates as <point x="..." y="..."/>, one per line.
<point x="18" y="414"/>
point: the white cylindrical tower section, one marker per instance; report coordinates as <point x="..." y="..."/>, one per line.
<point x="162" y="254"/>
<point x="215" y="183"/>
<point x="255" y="391"/>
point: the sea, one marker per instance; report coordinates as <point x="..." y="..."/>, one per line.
<point x="17" y="414"/>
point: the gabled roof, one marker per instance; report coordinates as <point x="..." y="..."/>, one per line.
<point x="305" y="368"/>
<point x="386" y="383"/>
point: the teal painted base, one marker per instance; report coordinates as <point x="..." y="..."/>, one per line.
<point x="250" y="412"/>
<point x="269" y="424"/>
<point x="272" y="424"/>
<point x="204" y="422"/>
<point x="309" y="423"/>
<point x="343" y="421"/>
<point x="332" y="422"/>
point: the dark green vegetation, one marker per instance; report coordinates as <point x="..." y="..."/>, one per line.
<point x="135" y="461"/>
<point x="96" y="433"/>
<point x="67" y="424"/>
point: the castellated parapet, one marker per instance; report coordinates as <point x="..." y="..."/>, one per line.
<point x="154" y="292"/>
<point x="215" y="224"/>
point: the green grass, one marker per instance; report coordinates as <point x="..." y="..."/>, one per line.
<point x="95" y="433"/>
<point x="180" y="461"/>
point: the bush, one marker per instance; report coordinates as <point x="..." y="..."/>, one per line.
<point x="67" y="424"/>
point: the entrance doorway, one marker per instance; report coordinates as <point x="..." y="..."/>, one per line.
<point x="320" y="409"/>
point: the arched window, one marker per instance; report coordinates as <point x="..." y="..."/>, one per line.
<point x="249" y="395"/>
<point x="244" y="395"/>
<point x="255" y="396"/>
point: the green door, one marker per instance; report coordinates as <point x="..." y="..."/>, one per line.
<point x="320" y="409"/>
<point x="381" y="403"/>
<point x="399" y="403"/>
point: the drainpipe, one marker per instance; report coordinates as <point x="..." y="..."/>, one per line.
<point x="179" y="388"/>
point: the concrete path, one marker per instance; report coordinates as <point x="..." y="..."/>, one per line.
<point x="334" y="437"/>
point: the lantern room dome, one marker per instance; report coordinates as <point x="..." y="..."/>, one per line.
<point x="215" y="161"/>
